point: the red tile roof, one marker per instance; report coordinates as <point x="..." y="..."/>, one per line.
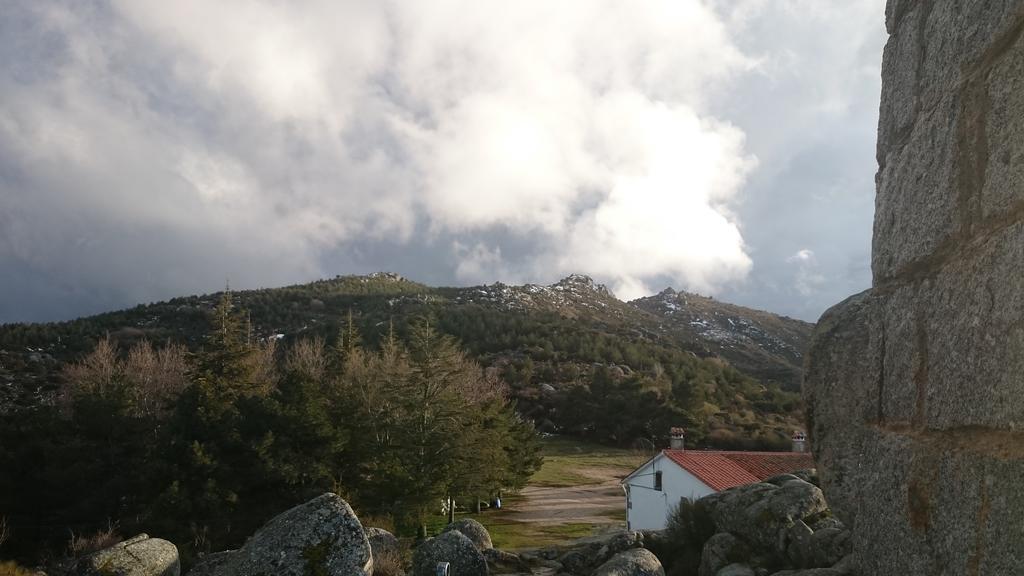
<point x="721" y="470"/>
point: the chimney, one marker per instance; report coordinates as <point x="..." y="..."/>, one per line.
<point x="677" y="438"/>
<point x="799" y="441"/>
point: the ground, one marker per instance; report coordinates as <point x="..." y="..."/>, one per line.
<point x="575" y="494"/>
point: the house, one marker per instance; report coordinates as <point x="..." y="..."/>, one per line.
<point x="657" y="486"/>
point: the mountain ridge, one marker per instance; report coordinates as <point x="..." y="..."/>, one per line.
<point x="537" y="336"/>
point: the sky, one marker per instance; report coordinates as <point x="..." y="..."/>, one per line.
<point x="151" y="149"/>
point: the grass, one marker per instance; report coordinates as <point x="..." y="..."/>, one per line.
<point x="517" y="535"/>
<point x="566" y="461"/>
<point x="510" y="535"/>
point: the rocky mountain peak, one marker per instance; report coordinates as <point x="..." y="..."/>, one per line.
<point x="577" y="282"/>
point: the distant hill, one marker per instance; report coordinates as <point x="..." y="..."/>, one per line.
<point x="764" y="345"/>
<point x="729" y="364"/>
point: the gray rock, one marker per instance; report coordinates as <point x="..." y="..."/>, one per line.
<point x="809" y="475"/>
<point x="736" y="570"/>
<point x="635" y="562"/>
<point x="575" y="562"/>
<point x="618" y="543"/>
<point x="817" y="548"/>
<point x="780" y="479"/>
<point x="382" y="542"/>
<point x="762" y="513"/>
<point x="137" y="556"/>
<point x="810" y="572"/>
<point x="322" y="536"/>
<point x="502" y="562"/>
<point x="913" y="390"/>
<point x="452" y="547"/>
<point x="473" y="530"/>
<point x="721" y="550"/>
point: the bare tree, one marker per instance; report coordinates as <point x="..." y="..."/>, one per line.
<point x="308" y="357"/>
<point x="156" y="376"/>
<point x="96" y="373"/>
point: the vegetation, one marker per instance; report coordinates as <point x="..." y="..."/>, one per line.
<point x="204" y="447"/>
<point x="566" y="462"/>
<point x="689" y="527"/>
<point x="576" y="361"/>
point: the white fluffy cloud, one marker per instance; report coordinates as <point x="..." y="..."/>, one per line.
<point x="152" y="147"/>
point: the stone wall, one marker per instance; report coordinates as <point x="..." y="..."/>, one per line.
<point x="915" y="388"/>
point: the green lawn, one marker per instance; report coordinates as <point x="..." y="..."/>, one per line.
<point x="566" y="461"/>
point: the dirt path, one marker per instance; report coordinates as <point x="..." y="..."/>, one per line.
<point x="600" y="502"/>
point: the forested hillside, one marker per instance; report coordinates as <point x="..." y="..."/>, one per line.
<point x="577" y="360"/>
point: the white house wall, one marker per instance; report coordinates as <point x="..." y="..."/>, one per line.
<point x="648" y="509"/>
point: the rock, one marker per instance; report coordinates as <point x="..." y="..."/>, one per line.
<point x="762" y="513"/>
<point x="721" y="550"/>
<point x="473" y="530"/>
<point x="654" y="538"/>
<point x="913" y="389"/>
<point x="618" y="543"/>
<point x="453" y="547"/>
<point x="322" y="536"/>
<point x="137" y="556"/>
<point x="382" y="542"/>
<point x="501" y="562"/>
<point x="809" y="475"/>
<point x="575" y="562"/>
<point x="810" y="572"/>
<point x="736" y="570"/>
<point x="780" y="479"/>
<point x="635" y="562"/>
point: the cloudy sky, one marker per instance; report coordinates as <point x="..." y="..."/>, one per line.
<point x="150" y="149"/>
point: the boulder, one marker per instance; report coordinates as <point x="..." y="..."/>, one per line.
<point x="721" y="550"/>
<point x="473" y="530"/>
<point x="913" y="389"/>
<point x="501" y="562"/>
<point x="618" y="543"/>
<point x="575" y="562"/>
<point x="736" y="570"/>
<point x="138" y="556"/>
<point x="810" y="572"/>
<point x="452" y="547"/>
<point x="382" y="542"/>
<point x="322" y="536"/>
<point x="635" y="562"/>
<point x="762" y="513"/>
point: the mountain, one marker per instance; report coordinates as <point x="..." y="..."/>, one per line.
<point x="764" y="345"/>
<point x="730" y="367"/>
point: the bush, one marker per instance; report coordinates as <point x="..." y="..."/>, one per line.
<point x="388" y="563"/>
<point x="689" y="527"/>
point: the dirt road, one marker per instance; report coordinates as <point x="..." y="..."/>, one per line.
<point x="599" y="502"/>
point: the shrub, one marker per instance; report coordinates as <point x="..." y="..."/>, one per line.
<point x="689" y="527"/>
<point x="388" y="563"/>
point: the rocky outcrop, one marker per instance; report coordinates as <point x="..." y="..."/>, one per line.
<point x="780" y="524"/>
<point x="453" y="547"/>
<point x="138" y="556"/>
<point x="635" y="562"/>
<point x="585" y="559"/>
<point x="913" y="389"/>
<point x="322" y="536"/>
<point x="473" y="530"/>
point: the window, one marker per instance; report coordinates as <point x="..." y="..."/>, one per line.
<point x="657" y="480"/>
